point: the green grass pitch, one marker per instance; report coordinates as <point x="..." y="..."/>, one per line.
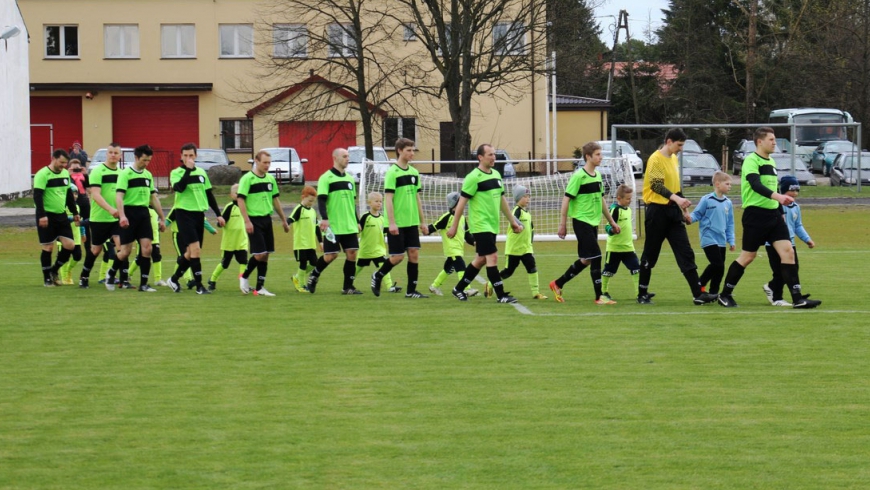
<point x="128" y="390"/>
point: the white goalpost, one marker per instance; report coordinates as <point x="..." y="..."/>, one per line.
<point x="441" y="178"/>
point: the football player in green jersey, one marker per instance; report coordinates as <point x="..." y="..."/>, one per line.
<point x="134" y="193"/>
<point x="336" y="201"/>
<point x="405" y="215"/>
<point x="52" y="197"/>
<point x="104" y="217"/>
<point x="763" y="222"/>
<point x="483" y="191"/>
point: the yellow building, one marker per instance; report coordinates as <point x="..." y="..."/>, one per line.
<point x="167" y="72"/>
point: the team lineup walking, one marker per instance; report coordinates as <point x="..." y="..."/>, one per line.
<point x="124" y="210"/>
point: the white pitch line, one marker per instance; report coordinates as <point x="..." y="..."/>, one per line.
<point x="671" y="313"/>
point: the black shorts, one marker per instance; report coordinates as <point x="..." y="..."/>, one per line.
<point x="190" y="228"/>
<point x="262" y="240"/>
<point x="372" y="260"/>
<point x="611" y="264"/>
<point x="101" y="232"/>
<point x="587" y="240"/>
<point x="762" y="226"/>
<point x="58" y="226"/>
<point x="484" y="244"/>
<point x="408" y="237"/>
<point x="309" y="255"/>
<point x="342" y="242"/>
<point x="140" y="225"/>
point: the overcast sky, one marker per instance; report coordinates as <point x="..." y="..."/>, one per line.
<point x="643" y="16"/>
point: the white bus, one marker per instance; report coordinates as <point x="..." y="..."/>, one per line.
<point x="807" y="138"/>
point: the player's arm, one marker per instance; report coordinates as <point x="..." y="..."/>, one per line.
<point x="71" y="204"/>
<point x="729" y="227"/>
<point x="613" y="217"/>
<point x="460" y="207"/>
<point x="700" y="210"/>
<point x="609" y="216"/>
<point x="799" y="229"/>
<point x="754" y="180"/>
<point x="243" y="210"/>
<point x="506" y="211"/>
<point x="441" y="224"/>
<point x="423" y="228"/>
<point x="97" y="197"/>
<point x="155" y="205"/>
<point x="563" y="217"/>
<point x="228" y="213"/>
<point x="181" y="184"/>
<point x="120" y="192"/>
<point x="276" y="202"/>
<point x="388" y="206"/>
<point x="321" y="207"/>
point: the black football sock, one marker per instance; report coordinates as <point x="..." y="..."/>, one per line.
<point x="643" y="281"/>
<point x="790" y="277"/>
<point x="385" y="269"/>
<point x="321" y="265"/>
<point x="262" y="268"/>
<point x="62" y="257"/>
<point x="349" y="271"/>
<point x="144" y="269"/>
<point x="735" y="272"/>
<point x="495" y="279"/>
<point x="470" y="273"/>
<point x="90" y="259"/>
<point x="196" y="267"/>
<point x="45" y="260"/>
<point x="574" y="269"/>
<point x="413" y="274"/>
<point x="595" y="272"/>
<point x="252" y="264"/>
<point x="694" y="282"/>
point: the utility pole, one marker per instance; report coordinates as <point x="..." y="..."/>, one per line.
<point x="622" y="23"/>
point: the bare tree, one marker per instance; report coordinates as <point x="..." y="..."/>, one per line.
<point x="348" y="45"/>
<point x="476" y="47"/>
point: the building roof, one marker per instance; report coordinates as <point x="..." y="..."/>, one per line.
<point x="575" y="103"/>
<point x="311" y="80"/>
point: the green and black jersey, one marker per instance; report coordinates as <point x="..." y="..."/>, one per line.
<point x="484" y="191"/>
<point x="586" y="194"/>
<point x="233" y="237"/>
<point x="137" y="187"/>
<point x="193" y="197"/>
<point x="258" y="193"/>
<point x="305" y="231"/>
<point x="404" y="184"/>
<point x="339" y="190"/>
<point x="106" y="179"/>
<point x="765" y="169"/>
<point x="371" y="238"/>
<point x="622" y="242"/>
<point x="520" y="243"/>
<point x="54" y="187"/>
<point x="453" y="247"/>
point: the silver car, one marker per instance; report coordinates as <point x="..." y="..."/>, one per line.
<point x="286" y="165"/>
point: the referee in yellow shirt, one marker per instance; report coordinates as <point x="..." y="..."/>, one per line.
<point x="665" y="207"/>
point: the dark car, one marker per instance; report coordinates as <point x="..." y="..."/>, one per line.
<point x="783" y="167"/>
<point x="207" y="158"/>
<point x="744" y="149"/>
<point x="845" y="169"/>
<point x="823" y="156"/>
<point x="698" y="169"/>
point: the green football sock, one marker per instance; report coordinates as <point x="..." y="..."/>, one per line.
<point x="605" y="281"/>
<point x="301" y="276"/>
<point x="217" y="272"/>
<point x="104" y="268"/>
<point x="156" y="271"/>
<point x="533" y="283"/>
<point x="133" y="268"/>
<point x="442" y="276"/>
<point x="388" y="280"/>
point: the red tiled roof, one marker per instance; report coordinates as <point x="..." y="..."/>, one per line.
<point x="313" y="79"/>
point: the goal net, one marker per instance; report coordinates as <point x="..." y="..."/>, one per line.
<point x="546" y="191"/>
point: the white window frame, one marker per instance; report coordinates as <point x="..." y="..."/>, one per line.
<point x="409" y="32"/>
<point x="179" y="30"/>
<point x="347" y="42"/>
<point x="238" y="40"/>
<point x="515" y="45"/>
<point x="237" y="134"/>
<point x="61" y="41"/>
<point x="283" y="34"/>
<point x="400" y="121"/>
<point x="127" y="52"/>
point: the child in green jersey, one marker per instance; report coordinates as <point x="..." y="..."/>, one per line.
<point x="306" y="236"/>
<point x="79" y="236"/>
<point x="372" y="249"/>
<point x="519" y="245"/>
<point x="620" y="244"/>
<point x="453" y="247"/>
<point x="234" y="239"/>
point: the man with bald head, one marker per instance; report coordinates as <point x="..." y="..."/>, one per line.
<point x="336" y="201"/>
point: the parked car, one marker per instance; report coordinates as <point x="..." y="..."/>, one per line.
<point x="692" y="146"/>
<point x="744" y="148"/>
<point x="99" y="158"/>
<point x="357" y="156"/>
<point x="845" y="169"/>
<point x="698" y="169"/>
<point x="623" y="148"/>
<point x="822" y="158"/>
<point x="207" y="158"/>
<point x="286" y="165"/>
<point x="783" y="145"/>
<point x="783" y="167"/>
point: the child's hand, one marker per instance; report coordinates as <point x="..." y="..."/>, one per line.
<point x="811" y="244"/>
<point x="732" y="248"/>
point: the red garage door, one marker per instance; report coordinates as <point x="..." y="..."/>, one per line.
<point x="165" y="123"/>
<point x="315" y="141"/>
<point x="54" y="118"/>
